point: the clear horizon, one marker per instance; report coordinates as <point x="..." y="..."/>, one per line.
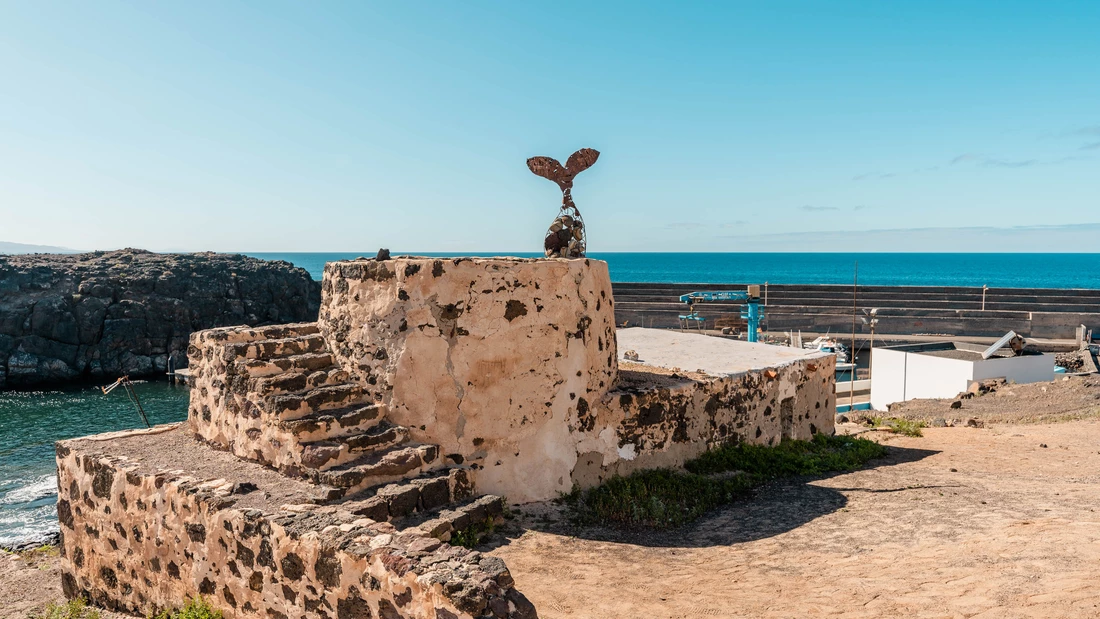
<point x="787" y="127"/>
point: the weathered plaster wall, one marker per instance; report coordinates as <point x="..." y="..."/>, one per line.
<point x="138" y="539"/>
<point x="488" y="358"/>
<point x="660" y="418"/>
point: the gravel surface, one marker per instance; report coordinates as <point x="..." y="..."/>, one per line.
<point x="1064" y="399"/>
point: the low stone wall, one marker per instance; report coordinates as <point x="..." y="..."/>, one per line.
<point x="661" y="418"/>
<point x="138" y="538"/>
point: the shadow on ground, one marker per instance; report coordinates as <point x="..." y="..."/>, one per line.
<point x="773" y="509"/>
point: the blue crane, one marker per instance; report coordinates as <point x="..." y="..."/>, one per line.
<point x="751" y="311"/>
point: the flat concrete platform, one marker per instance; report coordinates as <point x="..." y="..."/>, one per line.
<point x="693" y="352"/>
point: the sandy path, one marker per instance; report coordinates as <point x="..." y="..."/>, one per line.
<point x="1011" y="533"/>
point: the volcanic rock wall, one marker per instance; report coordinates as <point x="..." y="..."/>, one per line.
<point x="137" y="536"/>
<point x="656" y="417"/>
<point x="104" y="314"/>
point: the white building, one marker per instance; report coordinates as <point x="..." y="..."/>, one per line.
<point x="944" y="369"/>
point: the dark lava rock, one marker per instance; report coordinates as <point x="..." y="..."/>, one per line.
<point x="104" y="314"/>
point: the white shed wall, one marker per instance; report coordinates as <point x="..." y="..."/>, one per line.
<point x="935" y="377"/>
<point x="887" y="377"/>
<point x="897" y="375"/>
<point x="1027" y="369"/>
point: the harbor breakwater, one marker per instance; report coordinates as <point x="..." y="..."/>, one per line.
<point x="901" y="310"/>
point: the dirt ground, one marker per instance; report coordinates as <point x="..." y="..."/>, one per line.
<point x="985" y="522"/>
<point x="29" y="581"/>
<point x="1065" y="399"/>
<point x="963" y="522"/>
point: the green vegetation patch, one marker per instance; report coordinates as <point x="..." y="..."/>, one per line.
<point x="197" y="608"/>
<point x="73" y="609"/>
<point x="822" y="454"/>
<point x="473" y="535"/>
<point x="665" y="498"/>
<point x="908" y="427"/>
<point x="658" y="498"/>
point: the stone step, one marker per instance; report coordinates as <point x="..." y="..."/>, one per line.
<point x="274" y="349"/>
<point x="328" y="454"/>
<point x="420" y="496"/>
<point x="329" y="424"/>
<point x="294" y="382"/>
<point x="309" y="362"/>
<point x="376" y="469"/>
<point x="244" y="334"/>
<point x="298" y="405"/>
<point x="476" y="513"/>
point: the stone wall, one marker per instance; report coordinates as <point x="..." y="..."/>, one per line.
<point x="138" y="536"/>
<point x="226" y="408"/>
<point x="656" y="417"/>
<point x="488" y="358"/>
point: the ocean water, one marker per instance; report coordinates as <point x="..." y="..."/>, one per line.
<point x="30" y="422"/>
<point x="993" y="270"/>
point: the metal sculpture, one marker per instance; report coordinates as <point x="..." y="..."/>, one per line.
<point x="565" y="238"/>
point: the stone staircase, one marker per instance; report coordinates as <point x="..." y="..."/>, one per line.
<point x="290" y="406"/>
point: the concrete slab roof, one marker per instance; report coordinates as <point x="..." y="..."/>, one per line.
<point x="713" y="355"/>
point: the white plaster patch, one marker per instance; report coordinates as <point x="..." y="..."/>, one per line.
<point x="627" y="452"/>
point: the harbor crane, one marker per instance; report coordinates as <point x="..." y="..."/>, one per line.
<point x="751" y="312"/>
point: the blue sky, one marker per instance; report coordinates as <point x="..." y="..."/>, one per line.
<point x="281" y="126"/>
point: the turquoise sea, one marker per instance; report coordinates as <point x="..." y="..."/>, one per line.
<point x="993" y="270"/>
<point x="30" y="422"/>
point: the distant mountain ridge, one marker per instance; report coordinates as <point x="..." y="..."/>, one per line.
<point x="21" y="248"/>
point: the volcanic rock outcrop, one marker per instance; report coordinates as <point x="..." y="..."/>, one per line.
<point x="108" y="313"/>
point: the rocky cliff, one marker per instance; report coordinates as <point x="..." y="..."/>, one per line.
<point x="103" y="314"/>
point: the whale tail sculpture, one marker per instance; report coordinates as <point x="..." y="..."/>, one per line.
<point x="565" y="238"/>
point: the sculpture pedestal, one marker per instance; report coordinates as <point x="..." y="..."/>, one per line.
<point x="494" y="359"/>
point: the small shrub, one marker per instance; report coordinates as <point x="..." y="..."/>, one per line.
<point x="822" y="454"/>
<point x="473" y="535"/>
<point x="73" y="609"/>
<point x="658" y="498"/>
<point x="197" y="608"/>
<point x="907" y="427"/>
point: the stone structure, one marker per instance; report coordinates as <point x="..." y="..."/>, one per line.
<point x="104" y="314"/>
<point x="336" y="457"/>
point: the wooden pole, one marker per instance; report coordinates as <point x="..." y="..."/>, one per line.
<point x="855" y="317"/>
